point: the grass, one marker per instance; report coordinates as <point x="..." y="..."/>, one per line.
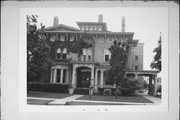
<point x="91" y="103"/>
<point x="135" y="99"/>
<point x="38" y="102"/>
<point x="47" y="95"/>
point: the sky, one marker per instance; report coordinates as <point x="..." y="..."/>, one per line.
<point x="145" y="22"/>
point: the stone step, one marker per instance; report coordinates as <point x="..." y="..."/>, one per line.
<point x="81" y="91"/>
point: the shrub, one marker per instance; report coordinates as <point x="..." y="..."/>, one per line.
<point x="101" y="91"/>
<point x="119" y="93"/>
<point x="49" y="87"/>
<point x="107" y="92"/>
<point x="159" y="89"/>
<point x="128" y="87"/>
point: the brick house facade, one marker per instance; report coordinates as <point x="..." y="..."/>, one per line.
<point x="92" y="64"/>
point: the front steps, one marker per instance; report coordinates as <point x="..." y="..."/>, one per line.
<point x="81" y="91"/>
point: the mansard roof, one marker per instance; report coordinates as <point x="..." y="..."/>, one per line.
<point x="61" y="27"/>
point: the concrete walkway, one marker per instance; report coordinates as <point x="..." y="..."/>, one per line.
<point x="64" y="100"/>
<point x="155" y="100"/>
<point x="73" y="98"/>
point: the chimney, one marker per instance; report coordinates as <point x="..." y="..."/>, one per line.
<point x="123" y="24"/>
<point x="100" y="18"/>
<point x="56" y="21"/>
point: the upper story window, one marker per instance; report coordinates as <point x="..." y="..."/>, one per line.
<point x="52" y="38"/>
<point x="136" y="57"/>
<point x="91" y="28"/>
<point x="58" y="54"/>
<point x="64" y="53"/>
<point x="83" y="27"/>
<point x="95" y="28"/>
<point x="87" y="55"/>
<point x="72" y="38"/>
<point x="99" y="28"/>
<point x="84" y="55"/>
<point x="86" y="28"/>
<point x="62" y="38"/>
<point x="107" y="55"/>
<point x="136" y="67"/>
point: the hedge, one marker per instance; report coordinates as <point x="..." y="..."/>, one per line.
<point x="101" y="90"/>
<point x="49" y="87"/>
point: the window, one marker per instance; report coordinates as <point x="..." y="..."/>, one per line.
<point x="52" y="38"/>
<point x="84" y="57"/>
<point x="89" y="53"/>
<point x="136" y="57"/>
<point x="107" y="55"/>
<point x="106" y="58"/>
<point x="58" y="54"/>
<point x="82" y="27"/>
<point x="64" y="54"/>
<point x="58" y="76"/>
<point x="72" y="38"/>
<point x="89" y="57"/>
<point x="64" y="76"/>
<point x="62" y="38"/>
<point x="136" y="67"/>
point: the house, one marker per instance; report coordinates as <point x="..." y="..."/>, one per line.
<point x="79" y="70"/>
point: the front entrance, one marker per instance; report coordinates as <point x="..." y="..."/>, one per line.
<point x="83" y="77"/>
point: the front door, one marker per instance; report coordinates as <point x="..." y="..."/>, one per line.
<point x="83" y="77"/>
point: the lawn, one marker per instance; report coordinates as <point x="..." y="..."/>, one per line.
<point x="93" y="103"/>
<point x="47" y="95"/>
<point x="38" y="102"/>
<point x="134" y="99"/>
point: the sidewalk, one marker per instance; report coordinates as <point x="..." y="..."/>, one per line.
<point x="75" y="100"/>
<point x="64" y="100"/>
<point x="155" y="100"/>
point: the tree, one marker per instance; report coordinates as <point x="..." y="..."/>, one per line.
<point x="38" y="60"/>
<point x="119" y="52"/>
<point x="156" y="64"/>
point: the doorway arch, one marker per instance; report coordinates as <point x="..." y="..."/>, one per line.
<point x="83" y="77"/>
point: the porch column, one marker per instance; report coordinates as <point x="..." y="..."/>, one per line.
<point x="51" y="79"/>
<point x="155" y="84"/>
<point x="95" y="82"/>
<point x="74" y="76"/>
<point x="61" y="78"/>
<point x="150" y="85"/>
<point x="67" y="76"/>
<point x="92" y="73"/>
<point x="101" y="82"/>
<point x="54" y="76"/>
<point x="136" y="76"/>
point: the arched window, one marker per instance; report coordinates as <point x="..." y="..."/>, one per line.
<point x="58" y="53"/>
<point x="107" y="55"/>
